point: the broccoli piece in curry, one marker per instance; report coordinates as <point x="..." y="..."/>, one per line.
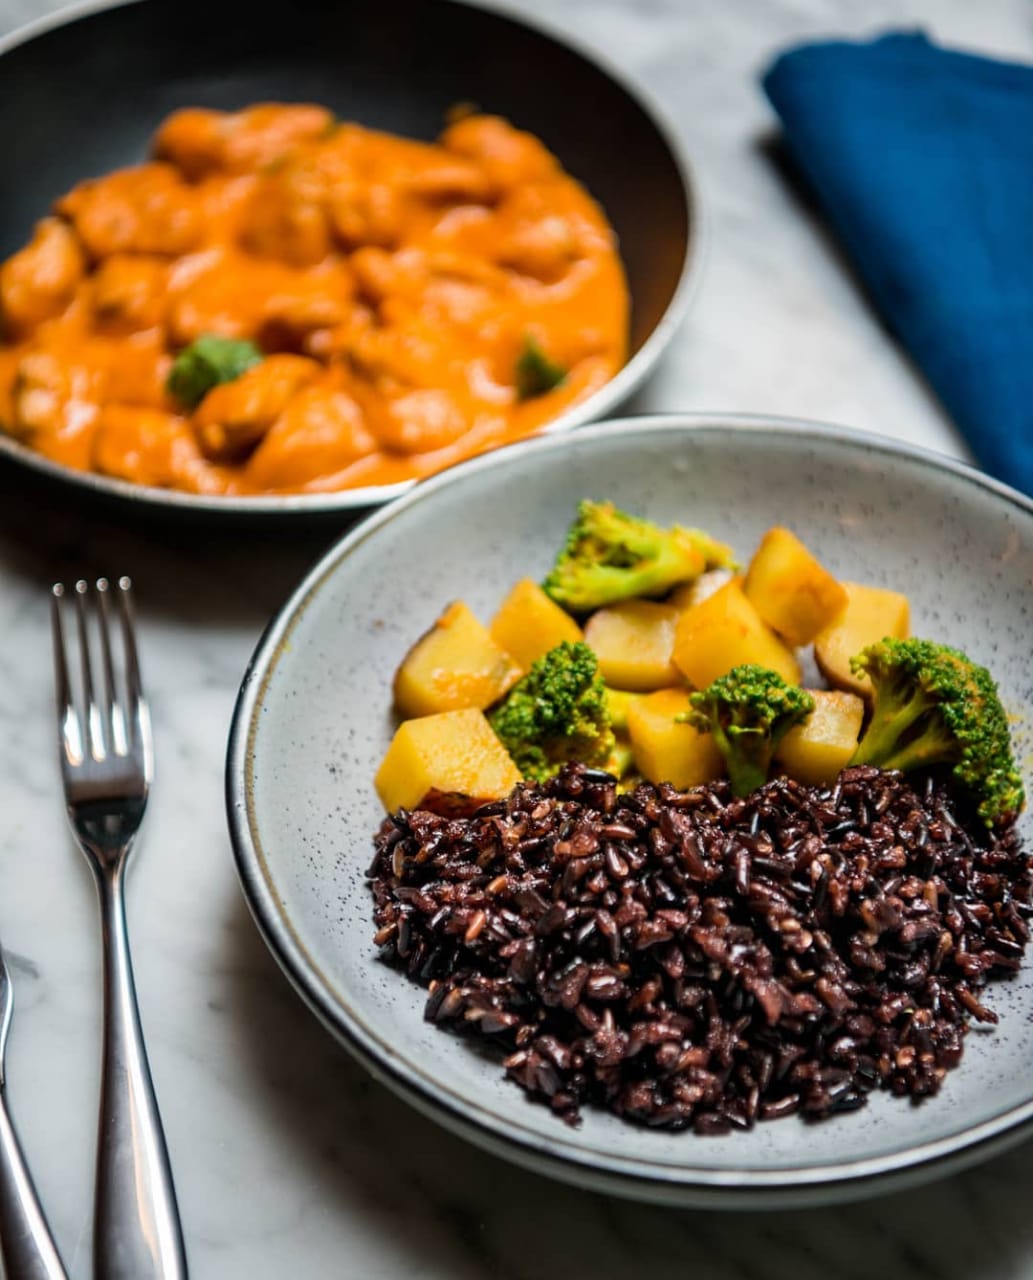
<point x="535" y="372"/>
<point x="207" y="361"/>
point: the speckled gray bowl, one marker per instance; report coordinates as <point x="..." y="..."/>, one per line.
<point x="313" y="720"/>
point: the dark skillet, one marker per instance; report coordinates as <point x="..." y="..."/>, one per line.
<point x="82" y="94"/>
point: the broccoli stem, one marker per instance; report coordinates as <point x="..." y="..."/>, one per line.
<point x="746" y="776"/>
<point x="881" y="744"/>
<point x="923" y="753"/>
<point x="747" y="758"/>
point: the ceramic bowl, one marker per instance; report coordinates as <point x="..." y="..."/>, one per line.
<point x="314" y="719"/>
<point x="89" y="85"/>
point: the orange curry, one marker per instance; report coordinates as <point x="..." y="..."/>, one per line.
<point x="394" y="292"/>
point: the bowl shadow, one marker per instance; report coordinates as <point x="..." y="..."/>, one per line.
<point x="460" y="1212"/>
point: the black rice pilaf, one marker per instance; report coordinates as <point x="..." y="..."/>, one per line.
<point x="692" y="959"/>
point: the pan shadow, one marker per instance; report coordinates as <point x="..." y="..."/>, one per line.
<point x="211" y="571"/>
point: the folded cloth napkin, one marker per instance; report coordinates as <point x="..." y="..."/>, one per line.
<point x="922" y="159"/>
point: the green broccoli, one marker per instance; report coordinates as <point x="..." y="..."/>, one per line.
<point x="535" y="372"/>
<point x="556" y="713"/>
<point x="610" y="556"/>
<point x="206" y="362"/>
<point x="934" y="705"/>
<point x="749" y="711"/>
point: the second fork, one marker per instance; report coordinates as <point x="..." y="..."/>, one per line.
<point x="106" y="766"/>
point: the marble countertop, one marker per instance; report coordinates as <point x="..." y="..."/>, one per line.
<point x="289" y="1159"/>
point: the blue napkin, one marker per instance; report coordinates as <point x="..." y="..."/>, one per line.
<point x="922" y="159"/>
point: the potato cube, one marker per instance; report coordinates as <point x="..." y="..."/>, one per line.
<point x="687" y="594"/>
<point x="455" y="753"/>
<point x="790" y="589"/>
<point x="817" y="749"/>
<point x="633" y="642"/>
<point x="455" y="664"/>
<point x="871" y="614"/>
<point x="724" y="631"/>
<point x="666" y="751"/>
<point x="617" y="703"/>
<point x="529" y="624"/>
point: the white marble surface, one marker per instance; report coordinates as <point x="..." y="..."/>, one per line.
<point x="289" y="1160"/>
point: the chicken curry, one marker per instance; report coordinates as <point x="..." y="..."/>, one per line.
<point x="280" y="303"/>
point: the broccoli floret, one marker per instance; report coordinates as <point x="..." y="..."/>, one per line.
<point x="556" y="713"/>
<point x="933" y="705"/>
<point x="610" y="556"/>
<point x="206" y="362"/>
<point x="749" y="711"/>
<point x="535" y="372"/>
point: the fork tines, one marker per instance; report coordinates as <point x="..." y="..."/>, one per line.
<point x="101" y="713"/>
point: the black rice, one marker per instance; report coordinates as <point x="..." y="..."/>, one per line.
<point x="693" y="959"/>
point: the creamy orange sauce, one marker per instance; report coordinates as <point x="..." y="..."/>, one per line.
<point x="391" y="286"/>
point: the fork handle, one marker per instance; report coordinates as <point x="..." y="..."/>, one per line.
<point x="26" y="1245"/>
<point x="136" y="1233"/>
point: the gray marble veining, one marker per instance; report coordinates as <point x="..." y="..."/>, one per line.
<point x="289" y="1159"/>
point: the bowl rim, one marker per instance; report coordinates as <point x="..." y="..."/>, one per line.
<point x="606" y="399"/>
<point x="630" y="1175"/>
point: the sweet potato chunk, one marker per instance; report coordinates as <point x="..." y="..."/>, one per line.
<point x="665" y="750"/>
<point x="633" y="642"/>
<point x="790" y="590"/>
<point x="723" y="631"/>
<point x="816" y="750"/>
<point x="451" y="755"/>
<point x="871" y="614"/>
<point x="455" y="664"/>
<point x="529" y="624"/>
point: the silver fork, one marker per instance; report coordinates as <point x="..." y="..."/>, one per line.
<point x="26" y="1245"/>
<point x="107" y="765"/>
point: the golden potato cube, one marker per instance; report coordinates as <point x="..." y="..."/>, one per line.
<point x="790" y="590"/>
<point x="817" y="749"/>
<point x="724" y="631"/>
<point x="617" y="703"/>
<point x="686" y="594"/>
<point x="666" y="751"/>
<point x="871" y="614"/>
<point x="455" y="664"/>
<point x="633" y="642"/>
<point x="455" y="753"/>
<point x="529" y="624"/>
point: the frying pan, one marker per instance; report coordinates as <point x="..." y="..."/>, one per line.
<point x="82" y="92"/>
